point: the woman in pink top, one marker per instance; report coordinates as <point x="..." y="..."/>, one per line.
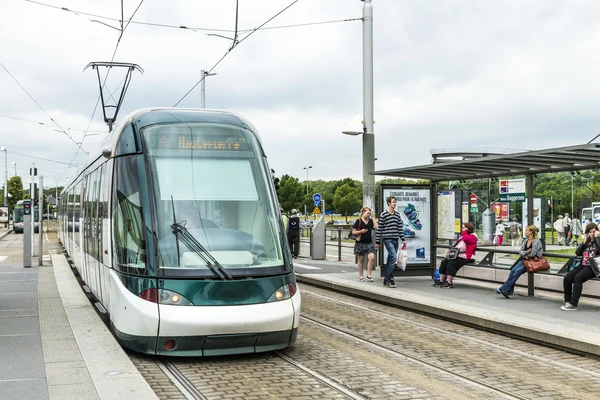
<point x="467" y="244"/>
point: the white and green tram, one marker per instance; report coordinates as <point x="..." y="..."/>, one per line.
<point x="180" y="236"/>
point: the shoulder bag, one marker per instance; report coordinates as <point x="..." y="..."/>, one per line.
<point x="353" y="236"/>
<point x="454" y="251"/>
<point x="535" y="265"/>
<point x="594" y="263"/>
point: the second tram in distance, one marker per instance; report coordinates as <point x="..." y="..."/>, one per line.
<point x="180" y="236"/>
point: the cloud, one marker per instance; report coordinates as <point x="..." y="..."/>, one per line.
<point x="483" y="74"/>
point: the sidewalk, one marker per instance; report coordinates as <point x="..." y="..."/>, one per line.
<point x="537" y="318"/>
<point x="54" y="346"/>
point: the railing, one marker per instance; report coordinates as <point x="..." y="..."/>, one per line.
<point x="335" y="237"/>
<point x="488" y="261"/>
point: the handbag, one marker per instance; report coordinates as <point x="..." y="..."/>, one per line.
<point x="353" y="236"/>
<point x="453" y="253"/>
<point x="594" y="263"/>
<point x="533" y="265"/>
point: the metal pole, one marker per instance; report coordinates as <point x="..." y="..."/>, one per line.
<point x="40" y="211"/>
<point x="203" y="90"/>
<point x="552" y="217"/>
<point x="5" y="178"/>
<point x="571" y="196"/>
<point x="530" y="277"/>
<point x="368" y="116"/>
<point x="340" y="243"/>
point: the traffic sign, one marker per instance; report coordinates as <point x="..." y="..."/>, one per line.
<point x="473" y="198"/>
<point x="316" y="210"/>
<point x="317" y="199"/>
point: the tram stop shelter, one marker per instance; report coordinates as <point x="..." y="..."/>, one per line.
<point x="527" y="164"/>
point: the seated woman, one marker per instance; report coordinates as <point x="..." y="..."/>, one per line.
<point x="573" y="281"/>
<point x="531" y="248"/>
<point x="467" y="244"/>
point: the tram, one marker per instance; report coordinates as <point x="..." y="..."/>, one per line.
<point x="180" y="237"/>
<point x="18" y="218"/>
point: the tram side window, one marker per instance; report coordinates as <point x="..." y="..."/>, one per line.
<point x="129" y="242"/>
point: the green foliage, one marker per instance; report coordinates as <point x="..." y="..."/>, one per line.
<point x="347" y="199"/>
<point x="15" y="188"/>
<point x="291" y="193"/>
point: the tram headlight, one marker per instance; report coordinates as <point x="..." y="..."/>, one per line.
<point x="164" y="296"/>
<point x="283" y="293"/>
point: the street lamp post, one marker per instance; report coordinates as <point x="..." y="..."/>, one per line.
<point x="203" y="88"/>
<point x="368" y="139"/>
<point x="307" y="168"/>
<point x="5" y="176"/>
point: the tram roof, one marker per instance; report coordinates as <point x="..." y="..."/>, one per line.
<point x="150" y="116"/>
<point x="570" y="158"/>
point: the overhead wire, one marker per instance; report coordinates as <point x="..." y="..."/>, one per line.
<point x="123" y="28"/>
<point x="201" y="30"/>
<point x="47" y="125"/>
<point x="235" y="44"/>
<point x="42" y="108"/>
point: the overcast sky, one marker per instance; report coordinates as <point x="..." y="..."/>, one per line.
<point x="447" y="73"/>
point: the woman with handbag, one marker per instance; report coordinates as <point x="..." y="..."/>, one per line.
<point x="462" y="253"/>
<point x="530" y="249"/>
<point x="573" y="281"/>
<point x="362" y="230"/>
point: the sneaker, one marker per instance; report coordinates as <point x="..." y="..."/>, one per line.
<point x="361" y="279"/>
<point x="369" y="278"/>
<point x="392" y="284"/>
<point x="438" y="283"/>
<point x="413" y="217"/>
<point x="447" y="285"/>
<point x="409" y="233"/>
<point x="569" y="307"/>
<point x="386" y="284"/>
<point x="498" y="291"/>
<point x="505" y="294"/>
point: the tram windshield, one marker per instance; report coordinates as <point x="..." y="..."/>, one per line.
<point x="211" y="179"/>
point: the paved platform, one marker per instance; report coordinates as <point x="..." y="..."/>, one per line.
<point x="538" y="318"/>
<point x="53" y="344"/>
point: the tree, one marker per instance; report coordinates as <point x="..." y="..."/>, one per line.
<point x="291" y="193"/>
<point x="347" y="199"/>
<point x="15" y="189"/>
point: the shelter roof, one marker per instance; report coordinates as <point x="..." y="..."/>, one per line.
<point x="571" y="158"/>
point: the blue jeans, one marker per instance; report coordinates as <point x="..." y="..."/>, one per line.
<point x="391" y="245"/>
<point x="515" y="273"/>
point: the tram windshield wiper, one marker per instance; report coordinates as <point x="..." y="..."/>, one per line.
<point x="183" y="235"/>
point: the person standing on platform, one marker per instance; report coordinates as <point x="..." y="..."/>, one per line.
<point x="567" y="229"/>
<point x="573" y="281"/>
<point x="531" y="248"/>
<point x="364" y="226"/>
<point x="391" y="230"/>
<point x="514" y="233"/>
<point x="499" y="234"/>
<point x="293" y="233"/>
<point x="560" y="228"/>
<point x="576" y="230"/>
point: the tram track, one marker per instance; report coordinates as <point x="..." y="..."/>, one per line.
<point x="520" y="353"/>
<point x="321" y="378"/>
<point x="185" y="386"/>
<point x="466" y="379"/>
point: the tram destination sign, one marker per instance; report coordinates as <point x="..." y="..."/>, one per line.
<point x="202" y="142"/>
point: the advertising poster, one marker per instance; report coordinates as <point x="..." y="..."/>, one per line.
<point x="445" y="211"/>
<point x="414" y="205"/>
<point x="501" y="210"/>
<point x="537" y="215"/>
<point x="3" y="215"/>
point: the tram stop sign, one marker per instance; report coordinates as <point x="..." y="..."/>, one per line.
<point x="317" y="199"/>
